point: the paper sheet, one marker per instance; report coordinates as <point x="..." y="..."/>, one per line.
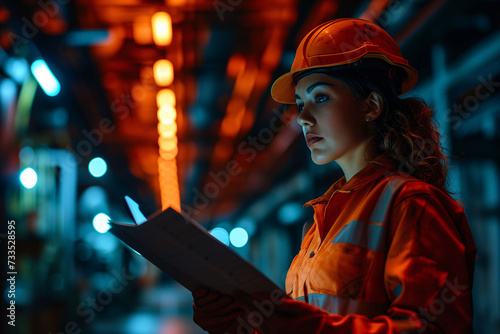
<point x="189" y="254"/>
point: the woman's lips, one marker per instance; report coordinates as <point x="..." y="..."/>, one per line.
<point x="312" y="139"/>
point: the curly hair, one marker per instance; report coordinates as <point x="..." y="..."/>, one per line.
<point x="409" y="135"/>
<point x="405" y="129"/>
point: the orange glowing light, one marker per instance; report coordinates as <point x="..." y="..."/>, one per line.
<point x="176" y="2"/>
<point x="167" y="155"/>
<point x="168" y="181"/>
<point x="228" y="127"/>
<point x="167" y="121"/>
<point x="235" y="106"/>
<point x="142" y="32"/>
<point x="263" y="78"/>
<point x="223" y="150"/>
<point x="167" y="144"/>
<point x="162" y="28"/>
<point x="167" y="130"/>
<point x="235" y="65"/>
<point x="114" y="42"/>
<point x="169" y="166"/>
<point x="167" y="114"/>
<point x="248" y="119"/>
<point x="245" y="81"/>
<point x="163" y="72"/>
<point x="54" y="26"/>
<point x="165" y="96"/>
<point x="231" y="123"/>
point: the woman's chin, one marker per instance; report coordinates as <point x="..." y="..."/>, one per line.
<point x="320" y="160"/>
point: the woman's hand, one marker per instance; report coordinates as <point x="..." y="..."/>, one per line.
<point x="221" y="314"/>
<point x="216" y="313"/>
<point x="285" y="315"/>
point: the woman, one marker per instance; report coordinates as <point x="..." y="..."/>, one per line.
<point x="389" y="251"/>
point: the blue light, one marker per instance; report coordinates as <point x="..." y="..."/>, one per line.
<point x="17" y="69"/>
<point x="86" y="37"/>
<point x="100" y="222"/>
<point x="26" y="155"/>
<point x="142" y="323"/>
<point x="8" y="92"/>
<point x="238" y="237"/>
<point x="45" y="78"/>
<point x="97" y="167"/>
<point x="220" y="234"/>
<point x="28" y="178"/>
<point x="290" y="213"/>
<point x="104" y="243"/>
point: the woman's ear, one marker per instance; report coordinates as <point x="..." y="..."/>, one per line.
<point x="375" y="105"/>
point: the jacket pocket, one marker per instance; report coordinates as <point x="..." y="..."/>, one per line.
<point x="341" y="270"/>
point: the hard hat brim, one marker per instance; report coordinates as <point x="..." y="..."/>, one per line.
<point x="283" y="89"/>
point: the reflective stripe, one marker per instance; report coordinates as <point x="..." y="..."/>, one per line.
<point x="371" y="235"/>
<point x="362" y="234"/>
<point x="344" y="306"/>
<point x="379" y="214"/>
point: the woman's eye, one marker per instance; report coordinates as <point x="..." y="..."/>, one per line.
<point x="321" y="98"/>
<point x="300" y="107"/>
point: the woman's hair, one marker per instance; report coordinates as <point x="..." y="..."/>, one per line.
<point x="405" y="128"/>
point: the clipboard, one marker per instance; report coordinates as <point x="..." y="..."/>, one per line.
<point x="185" y="251"/>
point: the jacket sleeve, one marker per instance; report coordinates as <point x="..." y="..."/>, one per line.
<point x="428" y="274"/>
<point x="429" y="264"/>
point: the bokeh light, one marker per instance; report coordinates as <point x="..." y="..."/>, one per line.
<point x="162" y="28"/>
<point x="97" y="167"/>
<point x="220" y="234"/>
<point x="238" y="237"/>
<point x="45" y="77"/>
<point x="163" y="72"/>
<point x="100" y="222"/>
<point x="28" y="178"/>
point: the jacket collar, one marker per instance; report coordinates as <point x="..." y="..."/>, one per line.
<point x="369" y="174"/>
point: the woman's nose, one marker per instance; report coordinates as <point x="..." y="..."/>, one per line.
<point x="305" y="118"/>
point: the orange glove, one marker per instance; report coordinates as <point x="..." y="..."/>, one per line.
<point x="218" y="314"/>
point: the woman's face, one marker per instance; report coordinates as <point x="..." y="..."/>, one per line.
<point x="332" y="119"/>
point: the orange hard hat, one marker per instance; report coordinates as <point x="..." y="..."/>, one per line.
<point x="342" y="42"/>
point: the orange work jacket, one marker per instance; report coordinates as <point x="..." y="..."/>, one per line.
<point x="387" y="253"/>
